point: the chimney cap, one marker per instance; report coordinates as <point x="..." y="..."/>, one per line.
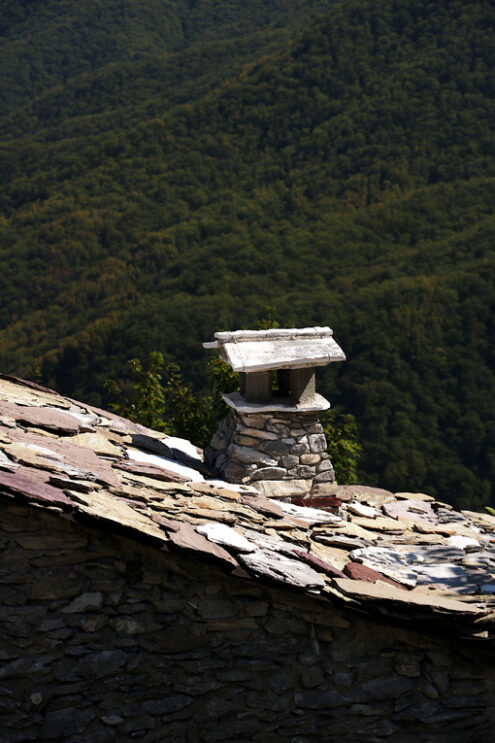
<point x="277" y="348"/>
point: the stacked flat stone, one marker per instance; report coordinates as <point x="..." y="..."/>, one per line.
<point x="272" y="437"/>
<point x="281" y="454"/>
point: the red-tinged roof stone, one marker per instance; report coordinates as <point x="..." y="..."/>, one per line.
<point x="68" y="455"/>
<point x="36" y="474"/>
<point x="412" y="510"/>
<point x="356" y="571"/>
<point x="117" y="422"/>
<point x="320" y="565"/>
<point x="29" y="487"/>
<point x="262" y="505"/>
<point x="41" y="417"/>
<point x="186" y="537"/>
<point x="150" y="470"/>
<point x="168" y="524"/>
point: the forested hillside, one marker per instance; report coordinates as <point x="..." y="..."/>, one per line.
<point x="68" y="67"/>
<point x="345" y="177"/>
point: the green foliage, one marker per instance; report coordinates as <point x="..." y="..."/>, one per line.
<point x="160" y="399"/>
<point x="222" y="379"/>
<point x="147" y="400"/>
<point x="269" y="320"/>
<point x="180" y="167"/>
<point x="343" y="447"/>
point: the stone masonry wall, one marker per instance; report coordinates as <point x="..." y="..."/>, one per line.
<point x="104" y="640"/>
<point x="270" y="448"/>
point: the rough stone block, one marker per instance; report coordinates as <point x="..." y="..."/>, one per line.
<point x="314" y="428"/>
<point x="324" y="465"/>
<point x="235" y="472"/>
<point x="301" y="472"/>
<point x="245" y="441"/>
<point x="283" y="488"/>
<point x="327" y="476"/>
<point x="324" y="488"/>
<point x="256" y="433"/>
<point x="268" y="473"/>
<point x="298" y="449"/>
<point x="289" y="461"/>
<point x="310" y="459"/>
<point x="274" y="448"/>
<point x="62" y="723"/>
<point x="302" y="385"/>
<point x="85" y="602"/>
<point x="253" y="421"/>
<point x="258" y="386"/>
<point x="247" y="455"/>
<point x="317" y="442"/>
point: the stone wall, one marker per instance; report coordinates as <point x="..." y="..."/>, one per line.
<point x="280" y="453"/>
<point x="105" y="640"/>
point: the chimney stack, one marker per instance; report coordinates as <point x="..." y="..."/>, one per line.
<point x="272" y="438"/>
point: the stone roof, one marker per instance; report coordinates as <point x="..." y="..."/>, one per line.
<point x="404" y="556"/>
<point x="287" y="348"/>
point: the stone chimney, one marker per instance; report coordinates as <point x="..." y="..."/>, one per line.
<point x="272" y="437"/>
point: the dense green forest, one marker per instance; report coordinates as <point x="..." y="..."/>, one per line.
<point x="170" y="168"/>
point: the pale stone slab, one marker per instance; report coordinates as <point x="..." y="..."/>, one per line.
<point x="414" y="496"/>
<point x="168" y="464"/>
<point x="333" y="555"/>
<point x="26" y="395"/>
<point x="325" y="488"/>
<point x="381" y="523"/>
<point x="87" y="420"/>
<point x="282" y="488"/>
<point x="281" y="568"/>
<point x="463" y="542"/>
<point x="102" y="505"/>
<point x="484" y="520"/>
<point x="248" y="455"/>
<point x="312" y="515"/>
<point x="374" y="591"/>
<point x="225" y="535"/>
<point x="361" y="510"/>
<point x="365" y="494"/>
<point x="183" y="445"/>
<point x="237" y="336"/>
<point x="412" y="510"/>
<point x="310" y="458"/>
<point x="241" y="405"/>
<point x="257" y="433"/>
<point x="285" y="352"/>
<point x="97" y="443"/>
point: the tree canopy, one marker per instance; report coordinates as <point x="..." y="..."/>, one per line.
<point x="187" y="171"/>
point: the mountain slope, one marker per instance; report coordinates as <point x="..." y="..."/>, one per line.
<point x="72" y="64"/>
<point x="348" y="178"/>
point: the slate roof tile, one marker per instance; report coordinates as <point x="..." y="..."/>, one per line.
<point x="186" y="537"/>
<point x="43" y="417"/>
<point x="102" y="470"/>
<point x="20" y="484"/>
